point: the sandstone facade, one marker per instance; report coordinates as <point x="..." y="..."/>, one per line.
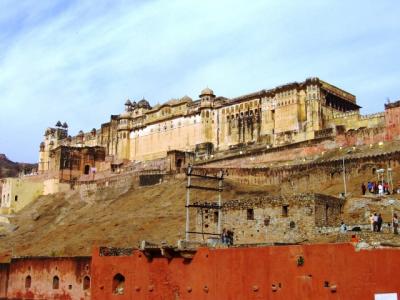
<point x="283" y="115"/>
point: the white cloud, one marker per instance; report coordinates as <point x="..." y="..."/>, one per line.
<point x="78" y="60"/>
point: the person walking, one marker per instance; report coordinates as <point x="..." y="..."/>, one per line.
<point x="395" y="224"/>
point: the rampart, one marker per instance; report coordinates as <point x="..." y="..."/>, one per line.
<point x="325" y="271"/>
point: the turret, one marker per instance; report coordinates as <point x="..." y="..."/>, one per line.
<point x="207" y="98"/>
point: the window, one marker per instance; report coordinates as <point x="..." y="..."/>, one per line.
<point x="118" y="285"/>
<point x="56" y="283"/>
<point x="86" y="283"/>
<point x="285" y="210"/>
<point x="250" y="214"/>
<point x="28" y="281"/>
<point x="215" y="216"/>
<point x="16" y="198"/>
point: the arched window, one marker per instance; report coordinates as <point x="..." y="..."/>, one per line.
<point x="118" y="285"/>
<point x="86" y="283"/>
<point x="28" y="282"/>
<point x="56" y="283"/>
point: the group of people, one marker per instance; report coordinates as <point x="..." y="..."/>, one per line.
<point x="373" y="187"/>
<point x="227" y="237"/>
<point x="377" y="221"/>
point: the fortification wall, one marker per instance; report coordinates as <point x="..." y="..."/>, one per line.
<point x="286" y="272"/>
<point x="304" y="177"/>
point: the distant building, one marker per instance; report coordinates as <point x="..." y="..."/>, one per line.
<point x="18" y="192"/>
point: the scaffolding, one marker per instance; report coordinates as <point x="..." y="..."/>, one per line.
<point x="216" y="206"/>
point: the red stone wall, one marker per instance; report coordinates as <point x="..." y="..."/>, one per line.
<point x="4" y="269"/>
<point x="70" y="272"/>
<point x="330" y="271"/>
<point x="392" y="120"/>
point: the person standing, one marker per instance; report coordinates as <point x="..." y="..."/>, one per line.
<point x="363" y="188"/>
<point x="386" y="188"/>
<point x="380" y="189"/>
<point x="224" y="237"/>
<point x="371" y="221"/>
<point x="395" y="224"/>
<point x="375" y="223"/>
<point x="380" y="221"/>
<point x="343" y="228"/>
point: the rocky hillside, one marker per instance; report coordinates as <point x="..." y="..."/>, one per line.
<point x="9" y="168"/>
<point x="71" y="223"/>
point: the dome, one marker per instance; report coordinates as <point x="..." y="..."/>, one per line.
<point x="144" y="104"/>
<point x="186" y="98"/>
<point x="65" y="125"/>
<point x="128" y="102"/>
<point x="207" y="92"/>
<point x="58" y="124"/>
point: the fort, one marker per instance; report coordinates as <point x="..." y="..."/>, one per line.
<point x="104" y="215"/>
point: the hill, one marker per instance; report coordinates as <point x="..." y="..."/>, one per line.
<point x="9" y="168"/>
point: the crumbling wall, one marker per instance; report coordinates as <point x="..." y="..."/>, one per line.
<point x="328" y="211"/>
<point x="271" y="219"/>
<point x="108" y="188"/>
<point x="35" y="278"/>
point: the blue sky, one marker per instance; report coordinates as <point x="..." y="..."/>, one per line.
<point x="78" y="61"/>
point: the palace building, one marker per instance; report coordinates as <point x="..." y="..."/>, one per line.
<point x="286" y="114"/>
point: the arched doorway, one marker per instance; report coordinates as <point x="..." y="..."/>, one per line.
<point x="118" y="285"/>
<point x="87" y="169"/>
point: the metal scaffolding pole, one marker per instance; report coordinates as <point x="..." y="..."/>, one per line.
<point x="219" y="230"/>
<point x="217" y="206"/>
<point x="189" y="171"/>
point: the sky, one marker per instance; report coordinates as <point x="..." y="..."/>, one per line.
<point x="79" y="60"/>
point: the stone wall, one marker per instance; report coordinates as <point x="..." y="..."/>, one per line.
<point x="106" y="189"/>
<point x="304" y="176"/>
<point x="270" y="219"/>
